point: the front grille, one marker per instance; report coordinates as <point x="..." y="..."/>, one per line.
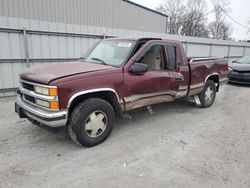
<point x="239" y="77"/>
<point x="28" y="86"/>
<point x="240" y="72"/>
<point x="245" y="73"/>
<point x="29" y="98"/>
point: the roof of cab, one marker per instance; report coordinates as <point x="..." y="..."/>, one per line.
<point x="145" y="39"/>
<point x="134" y="38"/>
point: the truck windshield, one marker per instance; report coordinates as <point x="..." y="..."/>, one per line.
<point x="110" y="52"/>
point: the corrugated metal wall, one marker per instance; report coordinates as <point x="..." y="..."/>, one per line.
<point x="49" y="42"/>
<point x="102" y="13"/>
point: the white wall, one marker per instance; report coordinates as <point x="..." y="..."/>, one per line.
<point x="68" y="43"/>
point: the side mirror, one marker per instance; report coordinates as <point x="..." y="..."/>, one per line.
<point x="139" y="68"/>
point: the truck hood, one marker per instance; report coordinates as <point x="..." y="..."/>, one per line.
<point x="47" y="73"/>
<point x="240" y="67"/>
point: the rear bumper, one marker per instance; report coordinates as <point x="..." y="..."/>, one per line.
<point x="48" y="118"/>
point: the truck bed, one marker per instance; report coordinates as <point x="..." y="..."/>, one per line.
<point x="206" y="67"/>
<point x="200" y="59"/>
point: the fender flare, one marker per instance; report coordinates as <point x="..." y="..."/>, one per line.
<point x="91" y="91"/>
<point x="213" y="74"/>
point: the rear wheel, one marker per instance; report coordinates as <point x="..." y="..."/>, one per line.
<point x="208" y="94"/>
<point x="91" y="122"/>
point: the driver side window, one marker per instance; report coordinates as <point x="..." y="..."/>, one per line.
<point x="154" y="58"/>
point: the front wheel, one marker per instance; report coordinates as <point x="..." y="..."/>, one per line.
<point x="91" y="122"/>
<point x="208" y="94"/>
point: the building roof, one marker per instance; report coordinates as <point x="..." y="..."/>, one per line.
<point x="151" y="10"/>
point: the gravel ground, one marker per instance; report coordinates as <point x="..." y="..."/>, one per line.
<point x="180" y="145"/>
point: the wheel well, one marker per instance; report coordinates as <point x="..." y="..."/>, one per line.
<point x="215" y="79"/>
<point x="109" y="96"/>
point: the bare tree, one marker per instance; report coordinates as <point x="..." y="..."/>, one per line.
<point x="161" y="9"/>
<point x="190" y="19"/>
<point x="224" y="30"/>
<point x="176" y="11"/>
<point x="186" y="19"/>
<point x="194" y="21"/>
<point x="219" y="28"/>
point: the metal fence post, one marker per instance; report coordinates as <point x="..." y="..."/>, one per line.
<point x="187" y="48"/>
<point x="26" y="49"/>
<point x="211" y="50"/>
<point x="166" y="25"/>
<point x="244" y="50"/>
<point x="228" y="51"/>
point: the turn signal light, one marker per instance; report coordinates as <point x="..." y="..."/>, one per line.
<point x="53" y="92"/>
<point x="54" y="105"/>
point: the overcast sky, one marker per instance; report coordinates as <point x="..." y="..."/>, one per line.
<point x="240" y="10"/>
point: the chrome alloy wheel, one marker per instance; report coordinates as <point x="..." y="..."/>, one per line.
<point x="209" y="94"/>
<point x="96" y="124"/>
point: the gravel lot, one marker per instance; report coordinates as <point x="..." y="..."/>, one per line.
<point x="180" y="145"/>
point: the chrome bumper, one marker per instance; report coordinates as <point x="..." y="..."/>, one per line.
<point x="48" y="118"/>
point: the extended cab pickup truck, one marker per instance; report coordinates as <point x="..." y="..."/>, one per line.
<point x="114" y="77"/>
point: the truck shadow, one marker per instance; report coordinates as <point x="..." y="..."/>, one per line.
<point x="140" y="117"/>
<point x="159" y="110"/>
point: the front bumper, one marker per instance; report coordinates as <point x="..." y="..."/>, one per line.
<point x="239" y="78"/>
<point x="48" y="118"/>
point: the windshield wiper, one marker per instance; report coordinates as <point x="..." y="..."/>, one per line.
<point x="100" y="60"/>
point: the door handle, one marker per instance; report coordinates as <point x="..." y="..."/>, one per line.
<point x="179" y="78"/>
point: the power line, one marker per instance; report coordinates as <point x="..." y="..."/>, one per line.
<point x="248" y="28"/>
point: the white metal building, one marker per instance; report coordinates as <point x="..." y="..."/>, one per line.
<point x="122" y="14"/>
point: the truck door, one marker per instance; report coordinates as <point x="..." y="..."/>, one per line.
<point x="159" y="84"/>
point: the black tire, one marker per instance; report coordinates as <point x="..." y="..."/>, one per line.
<point x="204" y="99"/>
<point x="81" y="116"/>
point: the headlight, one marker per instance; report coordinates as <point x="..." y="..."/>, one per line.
<point x="42" y="90"/>
<point x="52" y="104"/>
<point x="42" y="103"/>
<point x="46" y="91"/>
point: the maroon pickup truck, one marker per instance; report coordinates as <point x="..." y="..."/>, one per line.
<point x="114" y="77"/>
